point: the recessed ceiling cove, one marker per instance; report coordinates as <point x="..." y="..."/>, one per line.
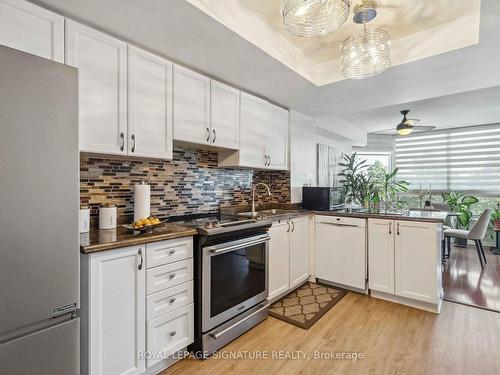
<point x="418" y="29"/>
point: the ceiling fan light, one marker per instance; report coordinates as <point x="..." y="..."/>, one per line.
<point x="311" y="18"/>
<point x="404" y="129"/>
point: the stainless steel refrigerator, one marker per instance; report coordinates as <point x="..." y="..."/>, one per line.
<point x="39" y="187"/>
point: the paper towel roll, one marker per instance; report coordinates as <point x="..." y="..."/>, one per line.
<point x="142" y="201"/>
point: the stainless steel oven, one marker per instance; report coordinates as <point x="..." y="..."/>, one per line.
<point x="234" y="278"/>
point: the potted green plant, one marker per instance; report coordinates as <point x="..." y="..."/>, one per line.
<point x="495" y="218"/>
<point x="385" y="185"/>
<point x="460" y="203"/>
<point x="354" y="178"/>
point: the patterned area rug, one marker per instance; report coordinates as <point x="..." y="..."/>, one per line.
<point x="305" y="305"/>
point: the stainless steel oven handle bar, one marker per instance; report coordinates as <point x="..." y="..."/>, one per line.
<point x="223" y="248"/>
<point x="216" y="335"/>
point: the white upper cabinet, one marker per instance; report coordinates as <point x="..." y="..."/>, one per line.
<point x="253" y="117"/>
<point x="29" y="28"/>
<point x="102" y="76"/>
<point x="191" y="106"/>
<point x="225" y="116"/>
<point x="263" y="136"/>
<point x="149" y="105"/>
<point x="276" y="135"/>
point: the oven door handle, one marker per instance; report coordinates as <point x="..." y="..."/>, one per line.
<point x="216" y="250"/>
<point x="216" y="335"/>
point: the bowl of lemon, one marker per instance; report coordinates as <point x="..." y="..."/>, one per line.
<point x="144" y="224"/>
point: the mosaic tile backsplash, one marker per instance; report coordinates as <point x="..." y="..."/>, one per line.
<point x="190" y="183"/>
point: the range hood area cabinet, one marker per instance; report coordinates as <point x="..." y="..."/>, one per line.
<point x="264" y="133"/>
<point x="206" y="112"/>
<point x="135" y="103"/>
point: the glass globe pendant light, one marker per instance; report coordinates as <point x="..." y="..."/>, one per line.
<point x="311" y="18"/>
<point x="368" y="52"/>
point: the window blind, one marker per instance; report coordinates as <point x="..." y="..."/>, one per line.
<point x="461" y="159"/>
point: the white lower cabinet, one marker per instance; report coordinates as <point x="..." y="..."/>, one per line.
<point x="405" y="261"/>
<point x="340" y="251"/>
<point x="170" y="333"/>
<point x="126" y="320"/>
<point x="288" y="255"/>
<point x="113" y="312"/>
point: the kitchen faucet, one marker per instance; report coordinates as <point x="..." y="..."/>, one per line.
<point x="253" y="193"/>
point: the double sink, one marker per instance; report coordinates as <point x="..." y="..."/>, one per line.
<point x="265" y="213"/>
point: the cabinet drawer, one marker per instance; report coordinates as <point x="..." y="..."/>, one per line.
<point x="170" y="333"/>
<point x="164" y="252"/>
<point x="341" y="221"/>
<point x="169" y="300"/>
<point x="169" y="275"/>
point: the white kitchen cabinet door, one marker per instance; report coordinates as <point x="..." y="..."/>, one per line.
<point x="32" y="29"/>
<point x="117" y="311"/>
<point x="340" y="254"/>
<point x="253" y="117"/>
<point x="276" y="135"/>
<point x="381" y="255"/>
<point x="149" y="105"/>
<point x="170" y="333"/>
<point x="225" y="116"/>
<point x="102" y="88"/>
<point x="279" y="257"/>
<point x="191" y="106"/>
<point x="299" y="251"/>
<point x="417" y="261"/>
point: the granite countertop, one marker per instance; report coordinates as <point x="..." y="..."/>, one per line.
<point x="423" y="216"/>
<point x="101" y="240"/>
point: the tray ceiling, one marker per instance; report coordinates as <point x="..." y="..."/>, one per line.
<point x="418" y="29"/>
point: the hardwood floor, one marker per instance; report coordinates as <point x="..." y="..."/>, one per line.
<point x="465" y="282"/>
<point x="394" y="339"/>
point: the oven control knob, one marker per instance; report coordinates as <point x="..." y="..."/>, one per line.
<point x="217" y="224"/>
<point x="209" y="225"/>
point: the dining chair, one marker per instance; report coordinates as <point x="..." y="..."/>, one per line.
<point x="443" y="207"/>
<point x="476" y="234"/>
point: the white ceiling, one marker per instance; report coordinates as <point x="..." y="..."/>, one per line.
<point x="185" y="34"/>
<point x="470" y="108"/>
<point x="418" y="29"/>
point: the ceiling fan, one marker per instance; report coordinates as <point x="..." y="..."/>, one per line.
<point x="406" y="126"/>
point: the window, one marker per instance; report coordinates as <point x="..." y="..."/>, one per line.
<point x="371" y="158"/>
<point x="462" y="159"/>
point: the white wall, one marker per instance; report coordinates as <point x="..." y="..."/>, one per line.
<point x="305" y="134"/>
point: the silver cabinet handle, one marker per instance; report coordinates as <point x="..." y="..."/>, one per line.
<point x="122" y="136"/>
<point x="171" y="300"/>
<point x="397" y="225"/>
<point x="268" y="164"/>
<point x="216" y="335"/>
<point x="172" y="252"/>
<point x="390" y="228"/>
<point x="293" y="226"/>
<point x="288" y="223"/>
<point x="215" y="136"/>
<point x="133" y="144"/>
<point x="172" y="333"/>
<point x="142" y="260"/>
<point x="340" y="225"/>
<point x="172" y="275"/>
<point x="208" y="136"/>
